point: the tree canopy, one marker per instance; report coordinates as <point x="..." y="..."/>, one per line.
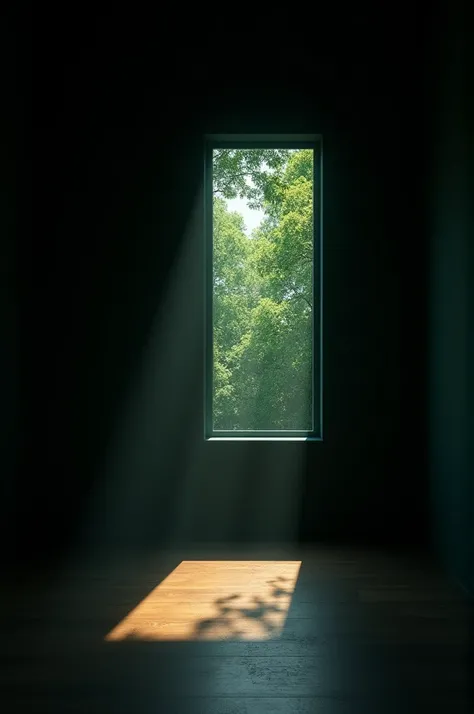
<point x="247" y="173"/>
<point x="262" y="291"/>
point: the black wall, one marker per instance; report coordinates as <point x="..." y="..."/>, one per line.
<point x="451" y="373"/>
<point x="112" y="310"/>
<point x="11" y="181"/>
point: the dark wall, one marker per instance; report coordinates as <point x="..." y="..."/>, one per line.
<point x="12" y="194"/>
<point x="114" y="448"/>
<point x="451" y="405"/>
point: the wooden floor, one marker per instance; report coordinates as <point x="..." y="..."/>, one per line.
<point x="216" y="631"/>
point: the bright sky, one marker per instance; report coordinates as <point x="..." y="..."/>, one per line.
<point x="251" y="218"/>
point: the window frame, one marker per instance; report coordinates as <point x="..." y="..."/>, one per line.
<point x="276" y="141"/>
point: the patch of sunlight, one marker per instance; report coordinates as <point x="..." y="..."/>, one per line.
<point x="215" y="600"/>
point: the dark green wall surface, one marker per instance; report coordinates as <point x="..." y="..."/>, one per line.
<point x="112" y="448"/>
<point x="451" y="406"/>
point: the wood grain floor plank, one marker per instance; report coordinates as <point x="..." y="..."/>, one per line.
<point x="322" y="630"/>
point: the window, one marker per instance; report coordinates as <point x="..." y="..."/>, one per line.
<point x="263" y="219"/>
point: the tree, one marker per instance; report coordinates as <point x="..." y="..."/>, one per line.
<point x="235" y="291"/>
<point x="247" y="173"/>
<point x="284" y="251"/>
<point x="263" y="293"/>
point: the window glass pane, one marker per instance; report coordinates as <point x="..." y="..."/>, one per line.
<point x="262" y="290"/>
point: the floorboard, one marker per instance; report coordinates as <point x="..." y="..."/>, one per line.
<point x="215" y="631"/>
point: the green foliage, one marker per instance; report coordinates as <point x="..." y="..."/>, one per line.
<point x="247" y="173"/>
<point x="263" y="292"/>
